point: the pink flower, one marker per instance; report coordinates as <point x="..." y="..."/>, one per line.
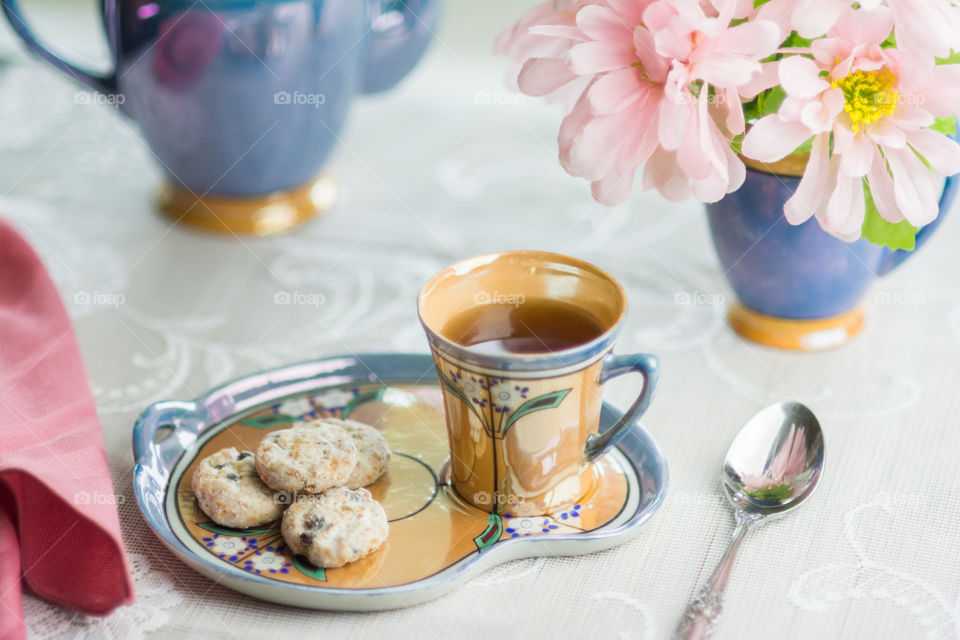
<point x="874" y="105"/>
<point x="927" y="26"/>
<point x="789" y="462"/>
<point x="664" y="82"/>
<point x="809" y="18"/>
<point x="523" y="42"/>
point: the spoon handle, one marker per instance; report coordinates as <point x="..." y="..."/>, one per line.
<point x="703" y="612"/>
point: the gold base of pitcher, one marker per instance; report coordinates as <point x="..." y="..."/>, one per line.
<point x="258" y="215"/>
<point x="796" y="335"/>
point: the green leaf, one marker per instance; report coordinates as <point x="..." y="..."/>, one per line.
<point x="953" y="58"/>
<point x="900" y="235"/>
<point x="225" y="531"/>
<point x="773" y="493"/>
<point x="947" y="125"/>
<point x="890" y="42"/>
<point x="491" y="534"/>
<point x="270" y="420"/>
<point x="546" y="401"/>
<point x="769" y="101"/>
<point x="453" y="389"/>
<point x="737" y="143"/>
<point x="806" y="147"/>
<point x="307" y="569"/>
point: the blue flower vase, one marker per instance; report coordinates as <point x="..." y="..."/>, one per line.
<point x="797" y="287"/>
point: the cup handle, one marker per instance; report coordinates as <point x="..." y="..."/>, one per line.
<point x="649" y="367"/>
<point x="103" y="83"/>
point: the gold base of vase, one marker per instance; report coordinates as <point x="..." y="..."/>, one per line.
<point x="796" y="335"/>
<point x="258" y="215"/>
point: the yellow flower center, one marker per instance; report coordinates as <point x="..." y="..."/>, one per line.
<point x="868" y="96"/>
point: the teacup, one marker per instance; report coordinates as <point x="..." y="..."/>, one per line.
<point x="522" y="342"/>
<point x="242" y="101"/>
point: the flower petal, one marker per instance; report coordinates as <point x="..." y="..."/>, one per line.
<point x="572" y="128"/>
<point x="858" y="158"/>
<point x="845" y="210"/>
<point x="616" y="90"/>
<point x="809" y="195"/>
<point x="642" y="139"/>
<point x="912" y="117"/>
<point x="816" y="116"/>
<point x="612" y="189"/>
<point x="588" y="58"/>
<point x="558" y="31"/>
<point x="778" y="12"/>
<point x="812" y="18"/>
<point x="771" y="138"/>
<point x="941" y="152"/>
<point x="755" y="39"/>
<point x="725" y="70"/>
<point x="881" y="188"/>
<point x="913" y="198"/>
<point x="594" y="152"/>
<point x="766" y="79"/>
<point x="800" y="77"/>
<point x="868" y="28"/>
<point x="828" y="50"/>
<point x="735" y="120"/>
<point x="540" y="76"/>
<point x="884" y="133"/>
<point x="602" y="24"/>
<point x="654" y="65"/>
<point x="630" y="10"/>
<point x="673" y="119"/>
<point x="658" y="15"/>
<point x="662" y="173"/>
<point x="927" y="26"/>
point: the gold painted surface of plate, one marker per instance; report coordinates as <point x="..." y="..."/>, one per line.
<point x="430" y="527"/>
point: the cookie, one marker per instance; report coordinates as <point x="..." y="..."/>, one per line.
<point x="373" y="450"/>
<point x="333" y="528"/>
<point x="307" y="458"/>
<point x="231" y="492"/>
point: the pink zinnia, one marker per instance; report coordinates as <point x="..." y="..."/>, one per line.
<point x="664" y="90"/>
<point x="875" y="105"/>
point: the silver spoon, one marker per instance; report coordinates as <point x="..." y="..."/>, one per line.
<point x="772" y="466"/>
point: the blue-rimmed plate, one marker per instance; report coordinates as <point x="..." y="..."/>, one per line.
<point x="436" y="540"/>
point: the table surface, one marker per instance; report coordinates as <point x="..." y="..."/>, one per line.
<point x="447" y="166"/>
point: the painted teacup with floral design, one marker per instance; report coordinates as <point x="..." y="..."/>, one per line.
<point x="522" y="342"/>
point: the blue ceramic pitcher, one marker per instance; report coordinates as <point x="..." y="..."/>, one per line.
<point x="797" y="287"/>
<point x="242" y="101"/>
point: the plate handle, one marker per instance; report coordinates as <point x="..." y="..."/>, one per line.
<point x="160" y="426"/>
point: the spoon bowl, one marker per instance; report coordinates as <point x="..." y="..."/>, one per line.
<point x="776" y="460"/>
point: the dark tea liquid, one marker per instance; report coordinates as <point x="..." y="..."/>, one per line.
<point x="536" y="326"/>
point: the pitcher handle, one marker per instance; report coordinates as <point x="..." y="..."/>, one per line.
<point x="400" y="33"/>
<point x="103" y="83"/>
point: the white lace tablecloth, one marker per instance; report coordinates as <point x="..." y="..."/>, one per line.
<point x="447" y="166"/>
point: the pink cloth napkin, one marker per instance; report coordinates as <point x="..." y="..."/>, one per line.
<point x="59" y="527"/>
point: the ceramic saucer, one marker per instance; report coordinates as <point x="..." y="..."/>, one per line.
<point x="436" y="540"/>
